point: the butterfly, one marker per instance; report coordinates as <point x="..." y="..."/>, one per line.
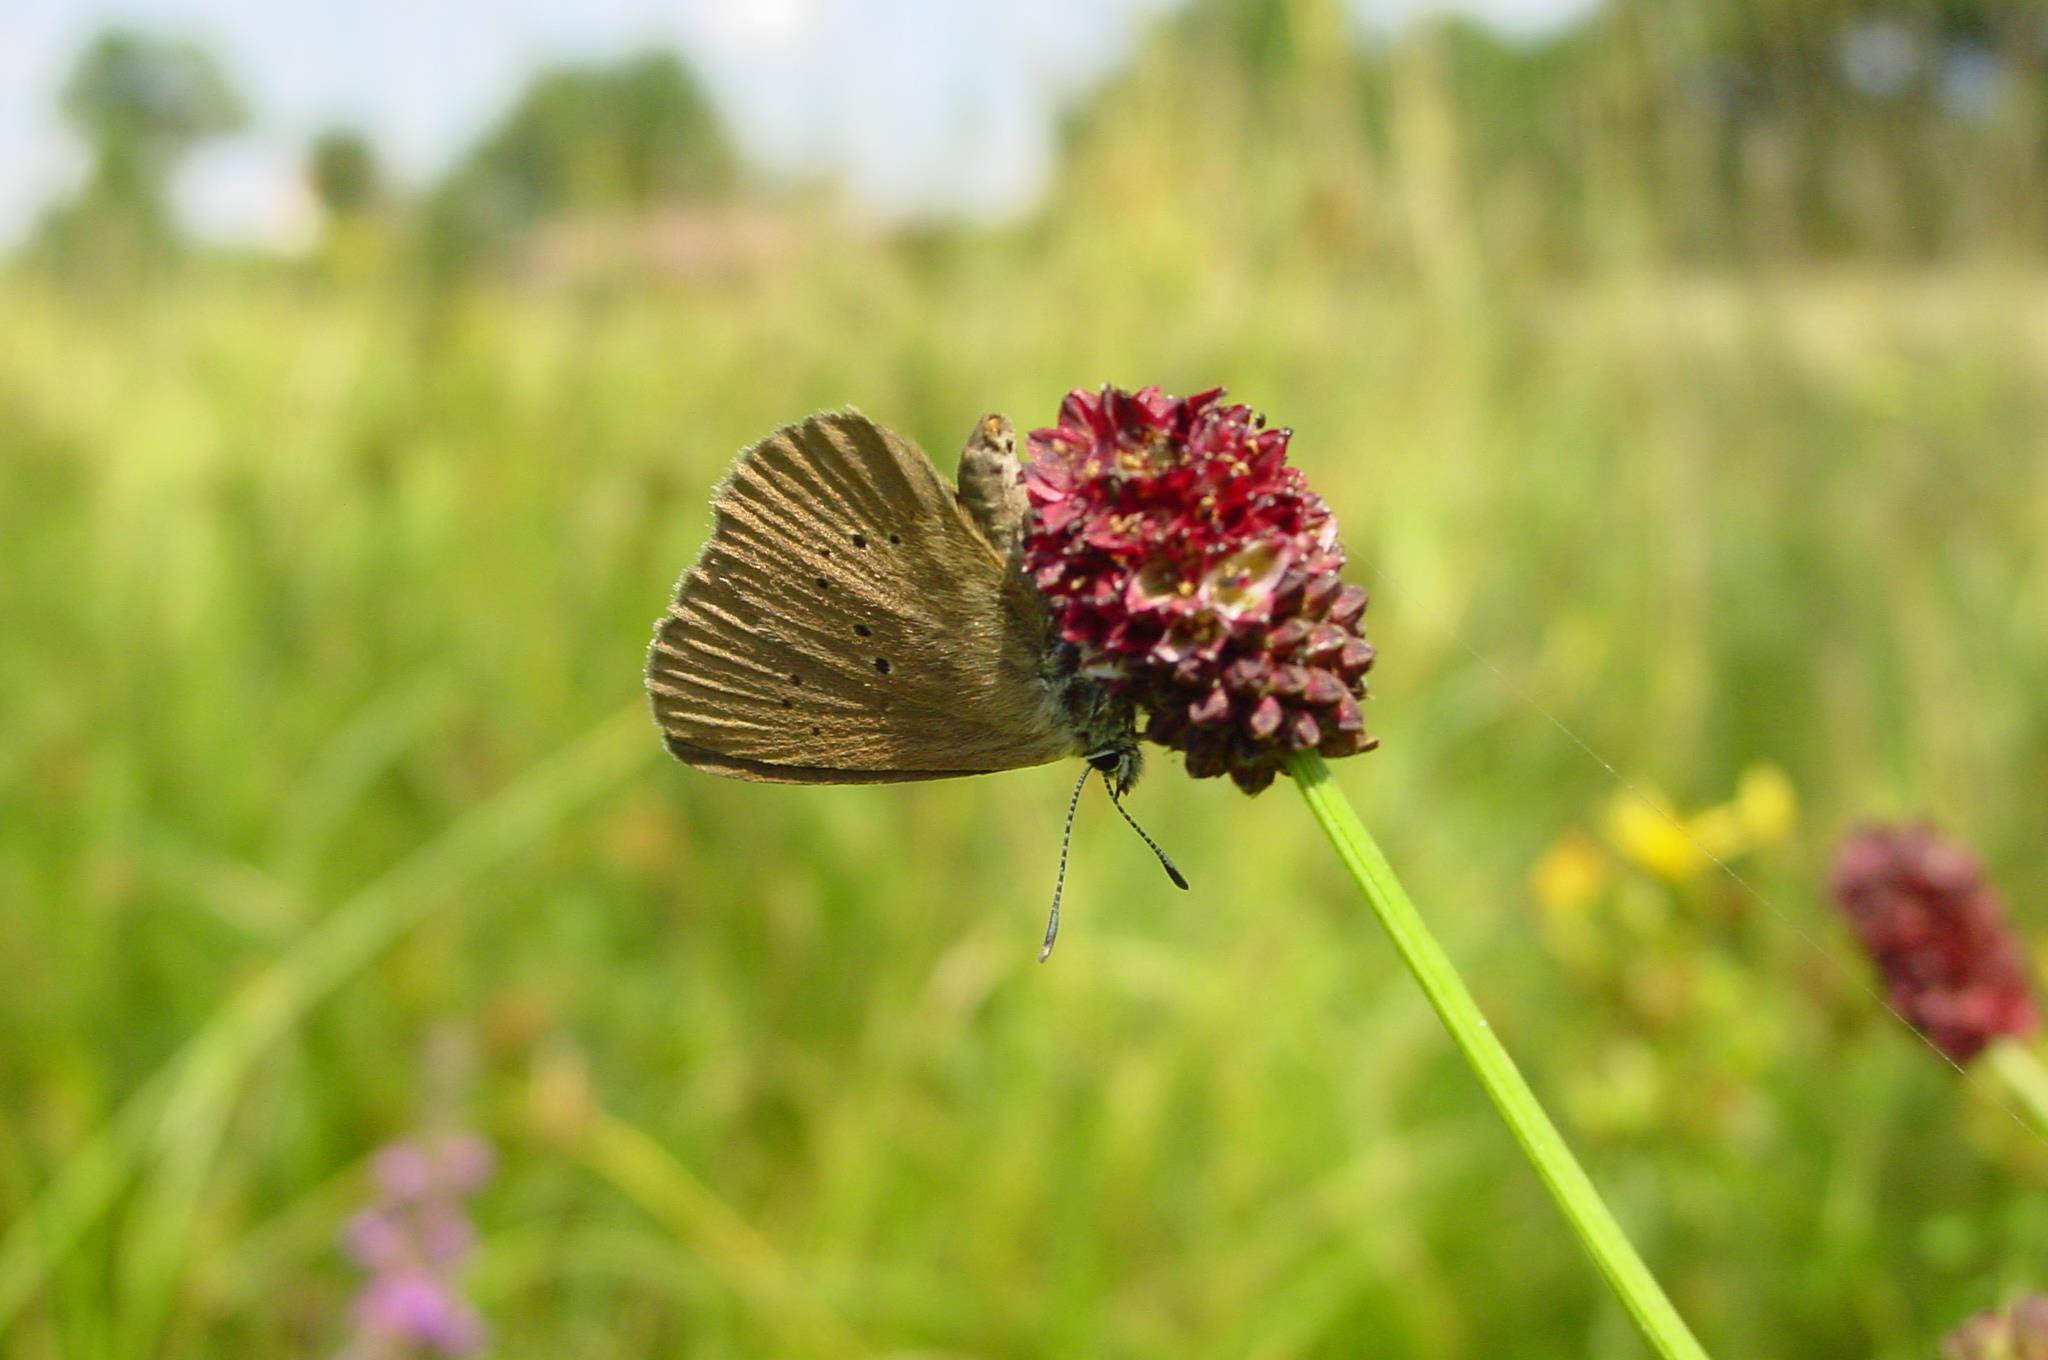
<point x="854" y="619"/>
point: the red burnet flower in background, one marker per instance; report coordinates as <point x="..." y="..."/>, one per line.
<point x="1922" y="908"/>
<point x="1197" y="575"/>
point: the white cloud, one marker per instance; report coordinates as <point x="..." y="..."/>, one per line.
<point x="760" y="25"/>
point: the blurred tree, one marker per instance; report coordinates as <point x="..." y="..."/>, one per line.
<point x="342" y="166"/>
<point x="621" y="137"/>
<point x="1894" y="126"/>
<point x="142" y="103"/>
<point x="1779" y="127"/>
<point x="1235" y="122"/>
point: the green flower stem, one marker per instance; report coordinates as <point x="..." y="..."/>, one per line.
<point x="1541" y="1143"/>
<point x="2020" y="1069"/>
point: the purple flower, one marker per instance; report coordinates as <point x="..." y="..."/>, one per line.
<point x="403" y="1171"/>
<point x="412" y="1241"/>
<point x="463" y="1161"/>
<point x="416" y="1308"/>
<point x="376" y="1239"/>
<point x="406" y="1170"/>
<point x="1199" y="577"/>
<point x="445" y="1233"/>
<point x="1921" y="907"/>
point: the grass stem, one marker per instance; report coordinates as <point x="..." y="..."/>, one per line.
<point x="1544" y="1146"/>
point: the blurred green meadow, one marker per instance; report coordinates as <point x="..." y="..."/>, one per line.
<point x="330" y="807"/>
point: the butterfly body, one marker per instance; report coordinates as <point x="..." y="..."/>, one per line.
<point x="854" y="619"/>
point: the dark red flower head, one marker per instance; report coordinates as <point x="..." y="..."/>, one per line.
<point x="1923" y="910"/>
<point x="1198" y="577"/>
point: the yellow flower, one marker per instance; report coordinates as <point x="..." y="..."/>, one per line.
<point x="1651" y="838"/>
<point x="1719" y="832"/>
<point x="1569" y="875"/>
<point x="1768" y="807"/>
<point x="1646" y="832"/>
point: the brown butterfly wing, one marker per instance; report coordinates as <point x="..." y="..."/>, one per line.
<point x="848" y="622"/>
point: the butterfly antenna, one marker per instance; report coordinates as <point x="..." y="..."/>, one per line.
<point x="1052" y="921"/>
<point x="1165" y="860"/>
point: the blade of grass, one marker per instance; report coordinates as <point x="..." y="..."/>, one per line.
<point x="652" y="1177"/>
<point x="1569" y="1186"/>
<point x="179" y="1102"/>
<point x="154" y="1256"/>
<point x="363" y="748"/>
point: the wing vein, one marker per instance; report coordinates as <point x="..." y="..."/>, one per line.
<point x="848" y="621"/>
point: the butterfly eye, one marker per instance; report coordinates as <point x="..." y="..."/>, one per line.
<point x="860" y="540"/>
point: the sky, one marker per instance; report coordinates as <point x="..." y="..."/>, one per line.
<point x="916" y="105"/>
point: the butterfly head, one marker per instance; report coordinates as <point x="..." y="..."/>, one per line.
<point x="992" y="486"/>
<point x="995" y="433"/>
<point x="1120" y="764"/>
